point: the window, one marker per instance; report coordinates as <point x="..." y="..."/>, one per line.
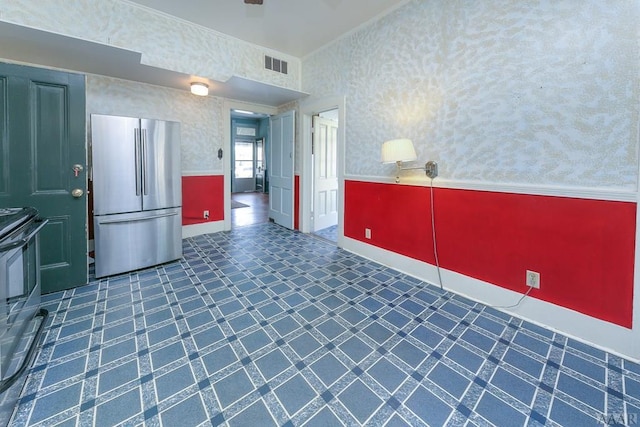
<point x="243" y="159"/>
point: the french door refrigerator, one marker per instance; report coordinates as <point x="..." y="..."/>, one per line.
<point x="137" y="193"/>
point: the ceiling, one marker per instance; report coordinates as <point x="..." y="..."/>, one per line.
<point x="294" y="27"/>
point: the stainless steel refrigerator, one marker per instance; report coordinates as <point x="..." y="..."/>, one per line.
<point x="137" y="193"/>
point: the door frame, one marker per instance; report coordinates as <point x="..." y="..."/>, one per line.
<point x="230" y="104"/>
<point x="309" y="108"/>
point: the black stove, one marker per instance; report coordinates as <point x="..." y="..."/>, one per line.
<point x="12" y="218"/>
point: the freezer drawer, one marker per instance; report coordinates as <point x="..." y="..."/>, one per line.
<point x="127" y="242"/>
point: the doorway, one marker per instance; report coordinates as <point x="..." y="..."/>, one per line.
<point x="249" y="170"/>
<point x="325" y="175"/>
<point x="335" y="108"/>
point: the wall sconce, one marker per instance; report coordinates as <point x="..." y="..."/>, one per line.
<point x="401" y="150"/>
<point x="200" y="89"/>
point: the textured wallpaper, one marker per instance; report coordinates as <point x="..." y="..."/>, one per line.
<point x="164" y="42"/>
<point x="535" y="92"/>
<point x="202" y="127"/>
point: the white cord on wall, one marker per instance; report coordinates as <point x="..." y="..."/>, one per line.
<point x="435" y="254"/>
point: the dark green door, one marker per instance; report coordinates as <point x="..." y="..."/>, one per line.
<point x="42" y="131"/>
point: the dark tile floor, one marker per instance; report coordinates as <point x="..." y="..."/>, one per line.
<point x="263" y="326"/>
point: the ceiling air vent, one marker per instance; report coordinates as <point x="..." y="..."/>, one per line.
<point x="275" y="64"/>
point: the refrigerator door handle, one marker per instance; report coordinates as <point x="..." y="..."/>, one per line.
<point x="145" y="190"/>
<point x="145" y="218"/>
<point x="136" y="143"/>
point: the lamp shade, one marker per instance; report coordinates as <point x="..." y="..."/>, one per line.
<point x="201" y="89"/>
<point x="398" y="150"/>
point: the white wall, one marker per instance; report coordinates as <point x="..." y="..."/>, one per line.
<point x="201" y="118"/>
<point x="164" y="41"/>
<point x="505" y="91"/>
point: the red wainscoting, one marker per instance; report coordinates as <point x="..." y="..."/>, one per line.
<point x="200" y="193"/>
<point x="296" y="203"/>
<point x="583" y="249"/>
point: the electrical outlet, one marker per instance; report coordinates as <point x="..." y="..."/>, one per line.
<point x="205" y="214"/>
<point x="533" y="279"/>
<point x="367" y="233"/>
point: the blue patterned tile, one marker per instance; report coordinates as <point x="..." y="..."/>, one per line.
<point x="270" y="310"/>
<point x="330" y="329"/>
<point x="567" y="415"/>
<point x="584" y="367"/>
<point x="449" y="380"/>
<point x="396" y="319"/>
<point x="523" y="362"/>
<point x="233" y="387"/>
<point x="208" y="337"/>
<point x="328" y="368"/>
<point x="428" y="407"/>
<point x="581" y="391"/>
<point x="119" y="409"/>
<point x="117" y="351"/>
<point x="285" y="326"/>
<point x="174" y="382"/>
<point x="325" y="417"/>
<point x="332" y="302"/>
<point x="272" y="364"/>
<point x="188" y="412"/>
<point x="219" y="359"/>
<point x="304" y="345"/>
<point x="295" y="394"/>
<point x="441" y="322"/>
<point x="255" y="341"/>
<point x="427" y="336"/>
<point x="56" y="402"/>
<point x="514" y="386"/>
<point x="387" y="374"/>
<point x="355" y="349"/>
<point x="360" y="401"/>
<point x="255" y="282"/>
<point x="242" y="322"/>
<point x="465" y="358"/>
<point x="118" y="376"/>
<point x="311" y="313"/>
<point x="64" y="371"/>
<point x="498" y="412"/>
<point x="162" y="334"/>
<point x="409" y="353"/>
<point x="255" y="415"/>
<point x="476" y="339"/>
<point x="353" y="316"/>
<point x="532" y="344"/>
<point x="377" y="332"/>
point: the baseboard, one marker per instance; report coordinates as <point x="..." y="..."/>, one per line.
<point x="193" y="230"/>
<point x="598" y="333"/>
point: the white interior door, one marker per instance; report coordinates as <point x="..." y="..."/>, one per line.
<point x="325" y="171"/>
<point x="281" y="176"/>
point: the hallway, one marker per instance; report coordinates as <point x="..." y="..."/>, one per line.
<point x="249" y="209"/>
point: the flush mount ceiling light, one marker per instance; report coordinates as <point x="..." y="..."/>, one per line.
<point x="200" y="89"/>
<point x="252" y="1"/>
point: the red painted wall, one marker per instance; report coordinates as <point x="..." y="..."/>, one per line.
<point x="296" y="203"/>
<point x="200" y="193"/>
<point x="583" y="249"/>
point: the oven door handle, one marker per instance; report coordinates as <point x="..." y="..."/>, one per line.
<point x="20" y="243"/>
<point x="26" y="362"/>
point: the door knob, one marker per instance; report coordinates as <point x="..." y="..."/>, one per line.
<point x="77" y="192"/>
